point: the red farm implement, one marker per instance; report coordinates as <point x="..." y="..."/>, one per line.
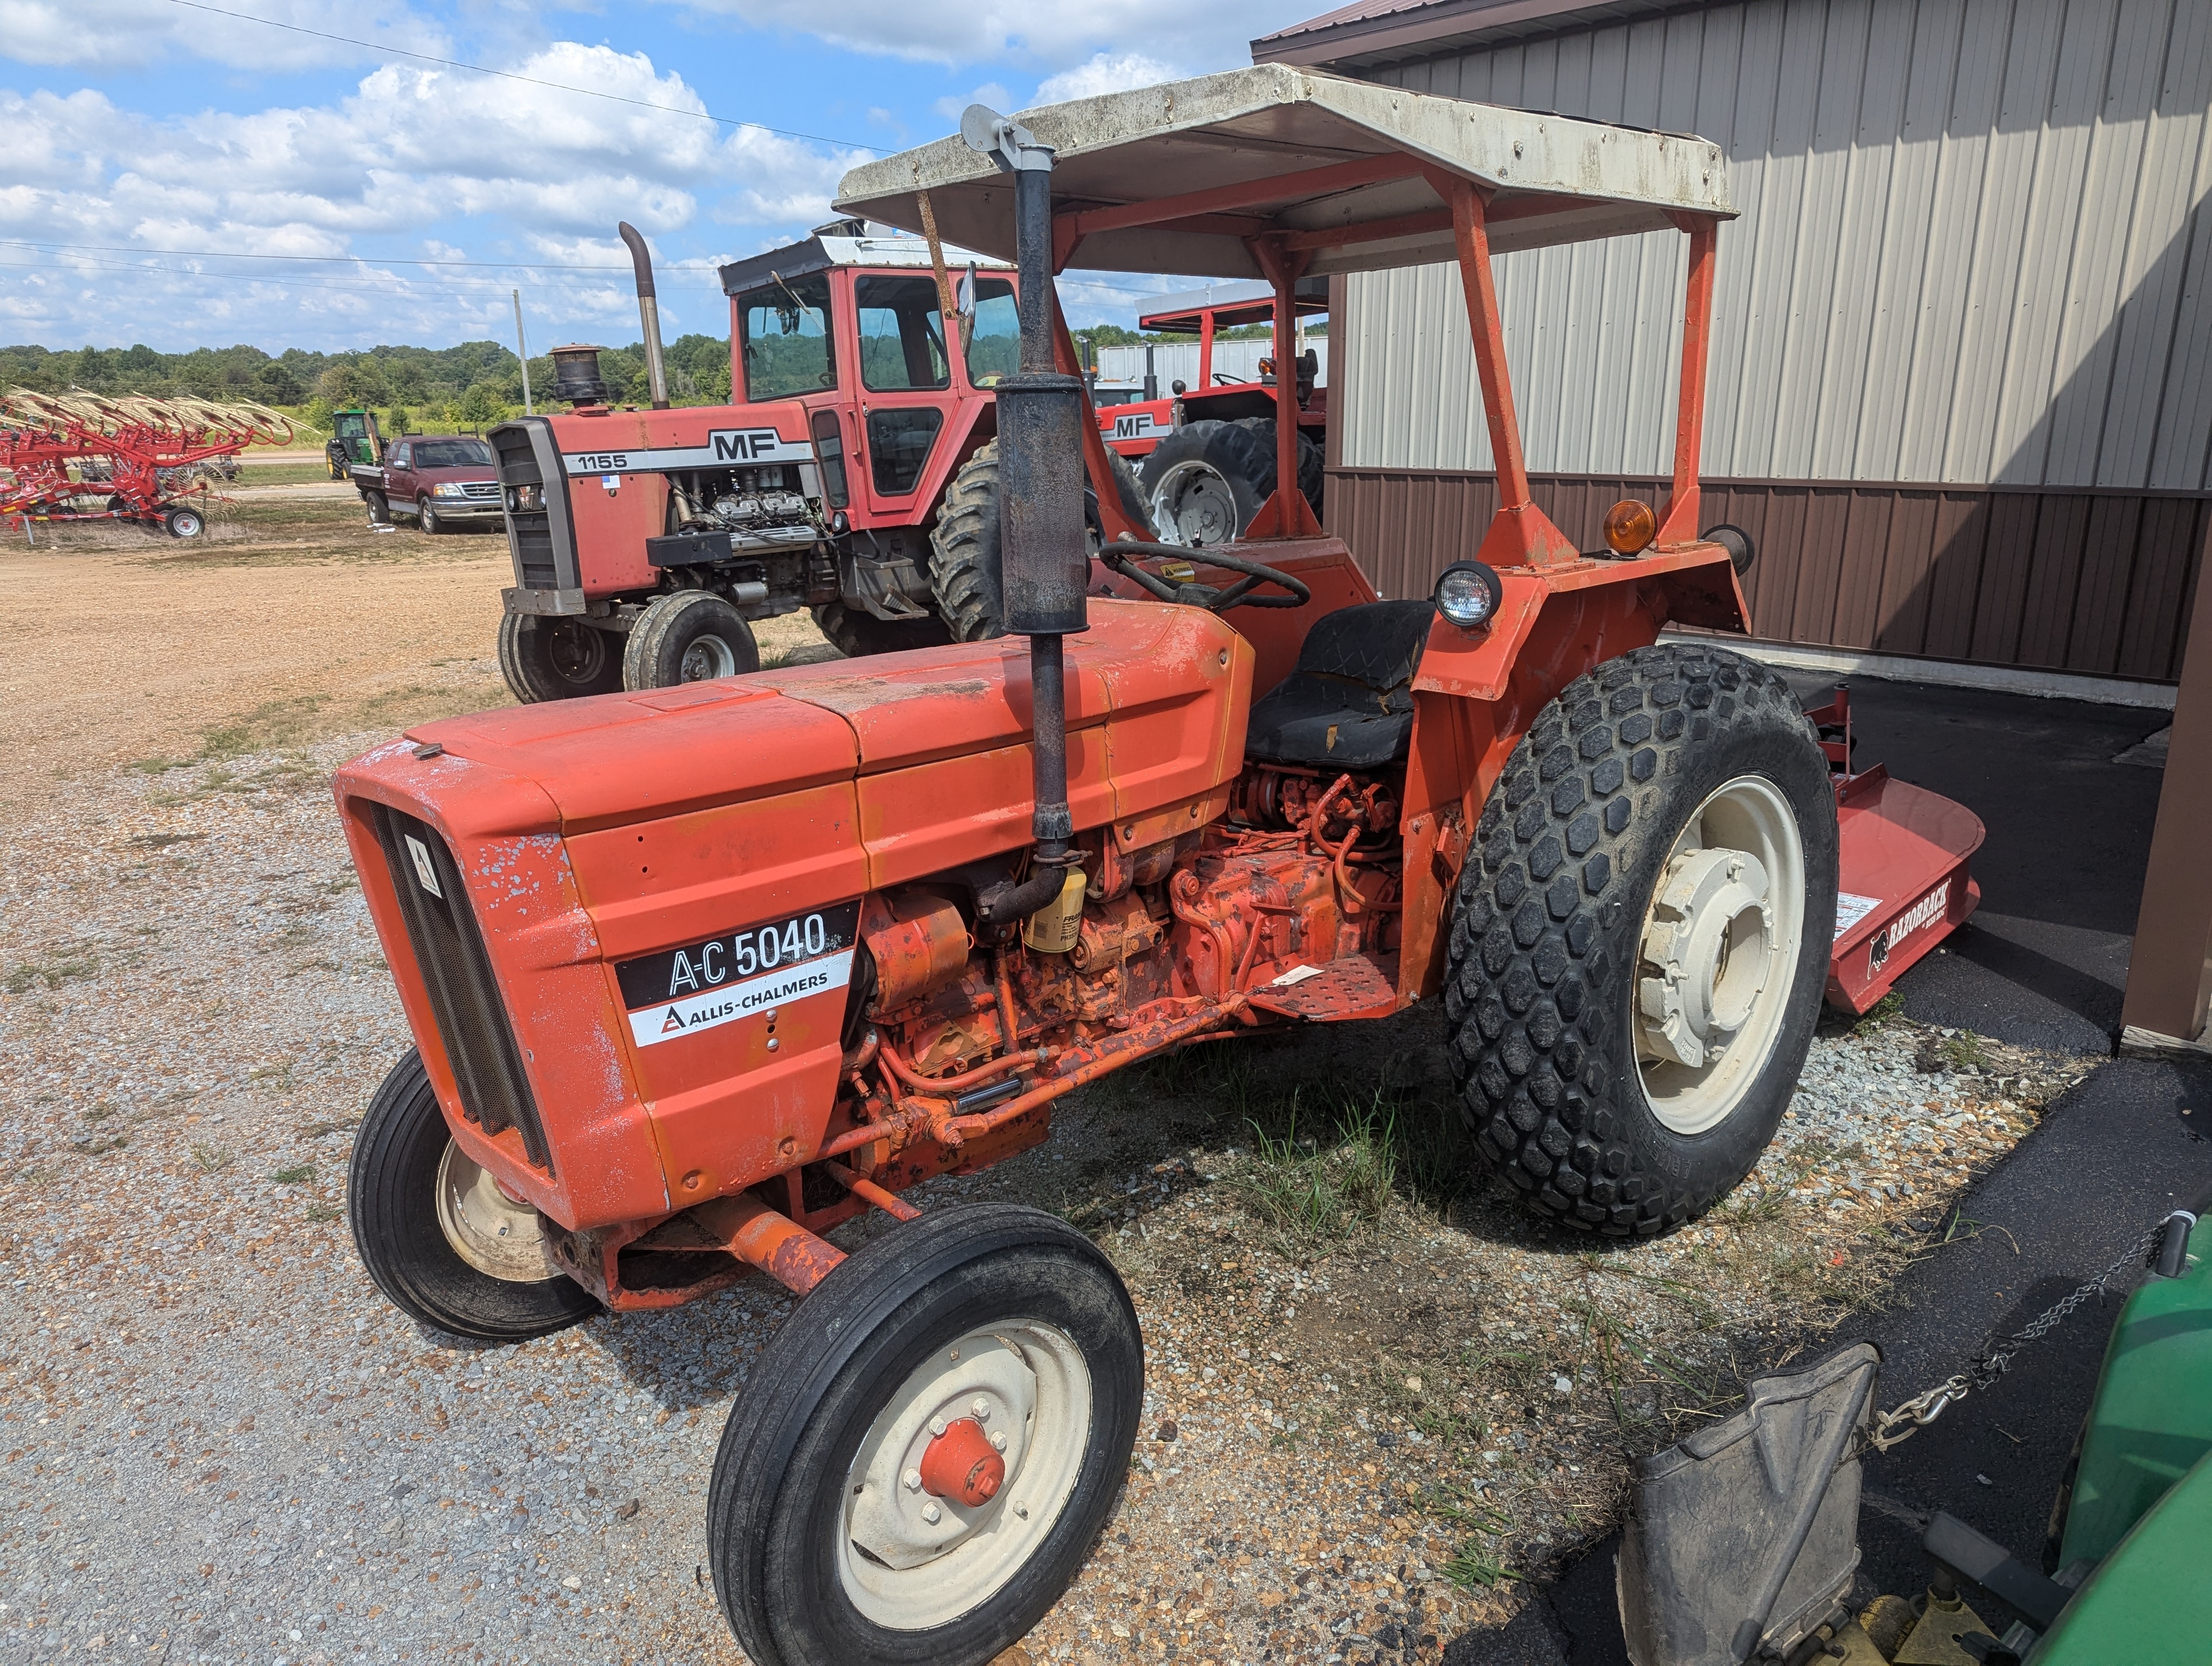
<point x="136" y="458"/>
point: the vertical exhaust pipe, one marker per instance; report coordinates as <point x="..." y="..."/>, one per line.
<point x="1045" y="561"/>
<point x="648" y="313"/>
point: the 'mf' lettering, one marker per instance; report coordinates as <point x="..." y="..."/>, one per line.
<point x="743" y="445"/>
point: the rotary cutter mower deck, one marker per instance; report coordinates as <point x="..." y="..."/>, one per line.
<point x="697" y="973"/>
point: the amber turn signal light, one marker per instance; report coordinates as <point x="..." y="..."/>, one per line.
<point x="1630" y="525"/>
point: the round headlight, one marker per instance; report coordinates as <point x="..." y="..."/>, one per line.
<point x="1630" y="525"/>
<point x="1468" y="593"/>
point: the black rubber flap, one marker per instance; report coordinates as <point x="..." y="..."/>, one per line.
<point x="1745" y="1536"/>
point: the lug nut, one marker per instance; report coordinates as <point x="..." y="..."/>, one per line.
<point x="936" y="1425"/>
<point x="999" y="1440"/>
<point x="1021" y="1509"/>
<point x="912" y="1480"/>
<point x="931" y="1514"/>
<point x="980" y="1409"/>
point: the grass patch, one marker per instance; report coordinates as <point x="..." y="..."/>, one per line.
<point x="74" y="965"/>
<point x="269" y="727"/>
<point x="1317" y="1189"/>
<point x="1886" y="1011"/>
<point x="323" y="1212"/>
<point x="298" y="1174"/>
<point x="212" y="1159"/>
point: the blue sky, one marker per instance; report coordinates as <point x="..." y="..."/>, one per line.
<point x="158" y="158"/>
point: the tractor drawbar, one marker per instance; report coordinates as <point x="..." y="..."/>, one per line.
<point x="1047" y="558"/>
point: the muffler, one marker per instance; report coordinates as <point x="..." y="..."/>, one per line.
<point x="1045" y="564"/>
<point x="648" y="313"/>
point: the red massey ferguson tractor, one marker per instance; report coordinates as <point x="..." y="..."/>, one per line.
<point x="1204" y="456"/>
<point x="697" y="973"/>
<point x="856" y="474"/>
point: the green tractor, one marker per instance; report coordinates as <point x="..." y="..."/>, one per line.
<point x="1742" y="1541"/>
<point x="353" y="438"/>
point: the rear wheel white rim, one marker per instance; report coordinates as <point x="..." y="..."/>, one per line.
<point x="488" y="1228"/>
<point x="1192" y="503"/>
<point x="1718" y="956"/>
<point x="905" y="1571"/>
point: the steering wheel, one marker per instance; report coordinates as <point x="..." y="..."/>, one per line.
<point x="1114" y="556"/>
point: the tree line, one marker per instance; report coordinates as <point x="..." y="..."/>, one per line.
<point x="412" y="389"/>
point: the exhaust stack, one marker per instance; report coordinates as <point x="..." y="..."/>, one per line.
<point x="1046" y="560"/>
<point x="648" y="313"/>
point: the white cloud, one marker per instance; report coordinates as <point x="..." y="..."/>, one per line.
<point x="113" y="34"/>
<point x="1046" y="37"/>
<point x="1105" y="72"/>
<point x="990" y="93"/>
<point x="545" y="174"/>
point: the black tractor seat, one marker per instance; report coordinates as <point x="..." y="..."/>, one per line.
<point x="1349" y="704"/>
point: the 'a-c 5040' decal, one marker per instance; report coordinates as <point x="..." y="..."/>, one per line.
<point x="738" y="975"/>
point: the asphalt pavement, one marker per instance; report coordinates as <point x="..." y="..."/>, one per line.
<point x="2044" y="964"/>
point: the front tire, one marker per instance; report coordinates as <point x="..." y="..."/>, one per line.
<point x="446" y="1246"/>
<point x="426" y="517"/>
<point x="688" y="637"/>
<point x="819" y="1526"/>
<point x="1641" y="937"/>
<point x="551" y="659"/>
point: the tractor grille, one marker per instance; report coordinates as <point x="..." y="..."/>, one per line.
<point x="539" y="535"/>
<point x="472" y="1023"/>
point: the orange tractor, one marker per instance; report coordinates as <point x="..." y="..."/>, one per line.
<point x="697" y="973"/>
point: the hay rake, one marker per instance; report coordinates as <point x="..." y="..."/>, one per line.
<point x="139" y="458"/>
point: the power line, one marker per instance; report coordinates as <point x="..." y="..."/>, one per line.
<point x="509" y="75"/>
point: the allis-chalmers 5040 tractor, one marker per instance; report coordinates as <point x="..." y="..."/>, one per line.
<point x="695" y="975"/>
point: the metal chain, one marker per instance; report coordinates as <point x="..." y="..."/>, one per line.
<point x="1905" y="1420"/>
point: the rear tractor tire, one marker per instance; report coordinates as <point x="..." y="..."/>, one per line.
<point x="964" y="565"/>
<point x="688" y="637"/>
<point x="1640" y="938"/>
<point x="929" y="1447"/>
<point x="443" y="1243"/>
<point x="553" y="659"/>
<point x="1204" y="482"/>
<point x="856" y="633"/>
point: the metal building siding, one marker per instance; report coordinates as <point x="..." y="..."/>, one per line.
<point x="1973" y="247"/>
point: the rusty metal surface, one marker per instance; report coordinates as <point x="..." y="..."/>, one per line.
<point x="775" y="1244"/>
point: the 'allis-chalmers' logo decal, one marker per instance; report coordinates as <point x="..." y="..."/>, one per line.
<point x="719" y="979"/>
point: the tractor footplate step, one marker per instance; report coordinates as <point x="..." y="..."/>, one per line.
<point x="1358" y="986"/>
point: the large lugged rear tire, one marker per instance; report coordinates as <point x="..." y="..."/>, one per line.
<point x="415" y="1201"/>
<point x="551" y="659"/>
<point x="964" y="570"/>
<point x="834" y="1537"/>
<point x="690" y="636"/>
<point x="855" y="634"/>
<point x="1641" y="936"/>
<point x="1312" y="464"/>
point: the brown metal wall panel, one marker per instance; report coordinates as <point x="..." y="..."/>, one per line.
<point x="1962" y="535"/>
<point x="2158" y="591"/>
<point x="2054" y="579"/>
<point x="2095" y="581"/>
<point x="2109" y="549"/>
<point x="1861" y="569"/>
<point x="1908" y="571"/>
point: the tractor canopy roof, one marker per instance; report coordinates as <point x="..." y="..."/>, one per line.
<point x="842" y="243"/>
<point x="1231" y="305"/>
<point x="1183" y="177"/>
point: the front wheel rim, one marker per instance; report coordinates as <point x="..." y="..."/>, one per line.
<point x="908" y="1559"/>
<point x="707" y="658"/>
<point x="1717" y="958"/>
<point x="1194" y="504"/>
<point x="488" y="1228"/>
<point x="576" y="653"/>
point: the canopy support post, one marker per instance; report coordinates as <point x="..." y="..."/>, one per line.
<point x="1287" y="513"/>
<point x="1684" y="509"/>
<point x="1520" y="534"/>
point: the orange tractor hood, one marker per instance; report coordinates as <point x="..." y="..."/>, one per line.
<point x="588" y="833"/>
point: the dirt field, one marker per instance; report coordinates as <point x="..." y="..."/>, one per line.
<point x="1380" y="1398"/>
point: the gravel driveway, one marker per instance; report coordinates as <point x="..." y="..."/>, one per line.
<point x="1365" y="1423"/>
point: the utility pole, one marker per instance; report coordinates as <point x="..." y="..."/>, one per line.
<point x="522" y="352"/>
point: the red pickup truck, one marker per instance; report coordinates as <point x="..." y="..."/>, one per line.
<point x="441" y="480"/>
